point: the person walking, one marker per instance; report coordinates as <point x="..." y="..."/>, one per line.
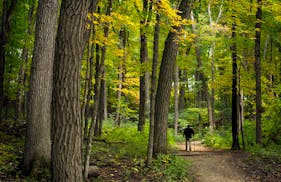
<point x="188" y="134"/>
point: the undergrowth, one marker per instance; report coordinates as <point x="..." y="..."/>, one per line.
<point x="125" y="142"/>
<point x="223" y="139"/>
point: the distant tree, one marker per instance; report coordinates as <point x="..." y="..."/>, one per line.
<point x="66" y="121"/>
<point x="37" y="152"/>
<point x="121" y="67"/>
<point x="235" y="141"/>
<point x="8" y="8"/>
<point x="258" y="72"/>
<point x="165" y="82"/>
<point x="153" y="88"/>
<point x="202" y="77"/>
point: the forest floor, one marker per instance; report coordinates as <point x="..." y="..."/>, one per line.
<point x="212" y="165"/>
<point x="115" y="163"/>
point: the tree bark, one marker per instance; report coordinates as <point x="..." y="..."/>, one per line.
<point x="235" y="141"/>
<point x="153" y="89"/>
<point x="165" y="82"/>
<point x="122" y="45"/>
<point x="176" y="95"/>
<point x="7" y="11"/>
<point x="183" y="87"/>
<point x="102" y="114"/>
<point x="99" y="67"/>
<point x="66" y="121"/>
<point x="258" y="73"/>
<point x="38" y="139"/>
<point x="143" y="61"/>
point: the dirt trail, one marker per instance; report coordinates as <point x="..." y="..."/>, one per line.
<point x="214" y="165"/>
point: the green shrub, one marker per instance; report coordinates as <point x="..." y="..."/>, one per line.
<point x="218" y="139"/>
<point x="173" y="168"/>
<point x="268" y="152"/>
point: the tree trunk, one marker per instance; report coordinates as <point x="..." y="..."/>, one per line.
<point x="153" y="89"/>
<point x="38" y="140"/>
<point x="258" y="73"/>
<point x="92" y="129"/>
<point x="202" y="77"/>
<point x="67" y="128"/>
<point x="235" y="141"/>
<point x="143" y="61"/>
<point x="87" y="79"/>
<point x="7" y="11"/>
<point x="19" y="97"/>
<point x="176" y="95"/>
<point x="183" y="87"/>
<point x="122" y="45"/>
<point x="165" y="83"/>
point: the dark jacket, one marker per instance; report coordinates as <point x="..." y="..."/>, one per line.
<point x="188" y="132"/>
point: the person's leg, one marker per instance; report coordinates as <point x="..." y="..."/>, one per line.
<point x="185" y="144"/>
<point x="189" y="143"/>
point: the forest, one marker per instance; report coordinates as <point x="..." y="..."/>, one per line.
<point x="94" y="90"/>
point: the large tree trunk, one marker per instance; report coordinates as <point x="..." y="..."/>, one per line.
<point x="8" y="8"/>
<point x="165" y="83"/>
<point x="67" y="128"/>
<point x="153" y="89"/>
<point x="235" y="141"/>
<point x="38" y="140"/>
<point x="258" y="73"/>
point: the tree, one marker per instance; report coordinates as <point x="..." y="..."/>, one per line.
<point x="8" y="8"/>
<point x="176" y="101"/>
<point x="153" y="89"/>
<point x="143" y="60"/>
<point x="202" y="78"/>
<point x="235" y="141"/>
<point x="258" y="72"/>
<point x="165" y="82"/>
<point x="38" y="140"/>
<point x="66" y="122"/>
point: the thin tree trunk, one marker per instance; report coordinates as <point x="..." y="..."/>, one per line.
<point x="235" y="141"/>
<point x="99" y="69"/>
<point x="203" y="79"/>
<point x="95" y="127"/>
<point x="19" y="97"/>
<point x="176" y="95"/>
<point x="183" y="87"/>
<point x="241" y="114"/>
<point x="258" y="73"/>
<point x="123" y="41"/>
<point x="96" y="91"/>
<point x="165" y="83"/>
<point x="153" y="89"/>
<point x="86" y="88"/>
<point x="38" y="140"/>
<point x="67" y="128"/>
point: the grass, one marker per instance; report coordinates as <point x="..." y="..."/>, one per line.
<point x="126" y="143"/>
<point x="120" y="155"/>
